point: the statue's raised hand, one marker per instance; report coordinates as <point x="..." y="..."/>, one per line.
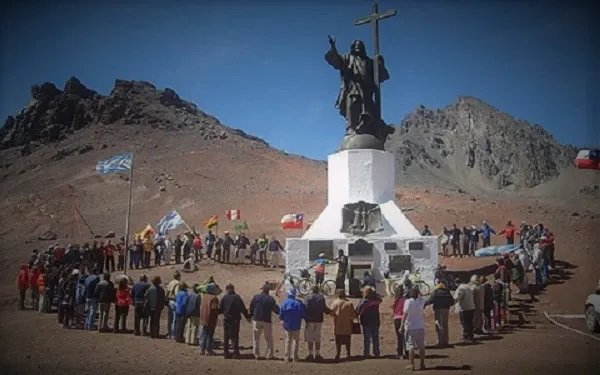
<point x="331" y="41"/>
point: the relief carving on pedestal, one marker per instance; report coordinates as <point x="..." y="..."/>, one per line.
<point x="361" y="218"/>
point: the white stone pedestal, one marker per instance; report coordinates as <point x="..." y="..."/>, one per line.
<point x="369" y="176"/>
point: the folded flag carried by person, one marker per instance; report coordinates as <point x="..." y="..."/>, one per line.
<point x="233" y="214"/>
<point x="118" y="163"/>
<point x="292" y="221"/>
<point x="171" y="221"/>
<point x="213" y="221"/>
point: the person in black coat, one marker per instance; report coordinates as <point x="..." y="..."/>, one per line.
<point x="455" y="234"/>
<point x="232" y="307"/>
<point x="488" y="304"/>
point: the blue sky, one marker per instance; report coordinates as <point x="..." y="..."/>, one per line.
<point x="258" y="65"/>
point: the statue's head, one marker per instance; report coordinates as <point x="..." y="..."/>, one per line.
<point x="358" y="48"/>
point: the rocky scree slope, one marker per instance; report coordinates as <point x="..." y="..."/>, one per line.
<point x="473" y="146"/>
<point x="52" y="115"/>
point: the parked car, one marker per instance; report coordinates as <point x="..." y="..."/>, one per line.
<point x="592" y="311"/>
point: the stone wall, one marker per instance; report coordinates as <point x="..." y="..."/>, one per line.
<point x="298" y="250"/>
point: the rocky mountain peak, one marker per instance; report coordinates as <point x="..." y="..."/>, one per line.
<point x="473" y="145"/>
<point x="53" y="114"/>
<point x="73" y="86"/>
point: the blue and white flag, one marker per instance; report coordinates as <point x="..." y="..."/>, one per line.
<point x="118" y="163"/>
<point x="171" y="221"/>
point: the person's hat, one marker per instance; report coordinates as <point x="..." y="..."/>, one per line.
<point x="75" y="272"/>
<point x="321" y="255"/>
<point x="226" y="232"/>
<point x="292" y="293"/>
<point x="211" y="289"/>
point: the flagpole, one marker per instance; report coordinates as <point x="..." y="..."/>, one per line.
<point x="127" y="219"/>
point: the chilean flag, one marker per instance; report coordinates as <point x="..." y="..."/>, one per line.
<point x="292" y="221"/>
<point x="233" y="214"/>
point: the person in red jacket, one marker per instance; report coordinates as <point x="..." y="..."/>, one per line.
<point x="197" y="245"/>
<point x="122" y="306"/>
<point x="109" y="256"/>
<point x="59" y="253"/>
<point x="23" y="284"/>
<point x="34" y="273"/>
<point x="509" y="233"/>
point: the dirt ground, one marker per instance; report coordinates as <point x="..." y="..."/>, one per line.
<point x="34" y="343"/>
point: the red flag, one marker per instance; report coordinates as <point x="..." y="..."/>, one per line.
<point x="233" y="214"/>
<point x="292" y="221"/>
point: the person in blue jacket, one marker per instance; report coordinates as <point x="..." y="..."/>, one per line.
<point x="291" y="312"/>
<point x="486" y="233"/>
<point x="180" y="307"/>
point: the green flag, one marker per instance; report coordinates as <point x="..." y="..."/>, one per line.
<point x="240" y="226"/>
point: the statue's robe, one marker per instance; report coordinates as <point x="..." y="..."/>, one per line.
<point x="357" y="83"/>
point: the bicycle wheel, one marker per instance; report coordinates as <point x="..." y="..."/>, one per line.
<point x="304" y="286"/>
<point x="424" y="288"/>
<point x="329" y="287"/>
<point x="294" y="281"/>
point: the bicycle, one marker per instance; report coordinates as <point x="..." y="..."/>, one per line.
<point x="287" y="276"/>
<point x="415" y="280"/>
<point x="307" y="282"/>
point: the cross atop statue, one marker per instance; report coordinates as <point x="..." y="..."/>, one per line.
<point x="359" y="100"/>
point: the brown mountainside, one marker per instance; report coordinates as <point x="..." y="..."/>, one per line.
<point x="184" y="159"/>
<point x="187" y="160"/>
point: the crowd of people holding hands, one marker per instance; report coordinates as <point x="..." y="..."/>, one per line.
<point x="83" y="292"/>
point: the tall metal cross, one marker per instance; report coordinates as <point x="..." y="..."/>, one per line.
<point x="374" y="19"/>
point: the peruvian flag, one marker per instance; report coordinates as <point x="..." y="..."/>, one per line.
<point x="233" y="214"/>
<point x="292" y="221"/>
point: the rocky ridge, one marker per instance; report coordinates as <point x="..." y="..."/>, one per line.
<point x="53" y="114"/>
<point x="475" y="147"/>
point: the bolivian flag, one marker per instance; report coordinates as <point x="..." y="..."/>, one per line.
<point x="212" y="222"/>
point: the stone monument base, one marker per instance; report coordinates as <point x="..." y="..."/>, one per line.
<point x="390" y="243"/>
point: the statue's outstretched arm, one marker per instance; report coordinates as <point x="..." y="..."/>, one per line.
<point x="332" y="56"/>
